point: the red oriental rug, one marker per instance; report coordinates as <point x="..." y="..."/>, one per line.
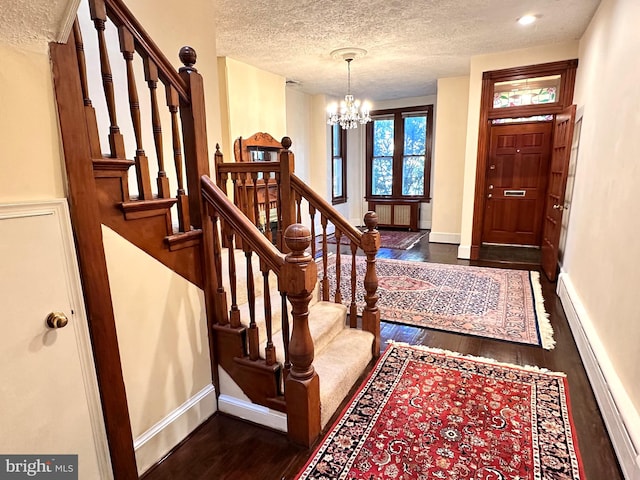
<point x="495" y="303"/>
<point x="398" y="239"/>
<point x="431" y="414"/>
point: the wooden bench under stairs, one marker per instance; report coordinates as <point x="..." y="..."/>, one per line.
<point x="285" y="340"/>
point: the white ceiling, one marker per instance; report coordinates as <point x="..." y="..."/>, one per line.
<point x="410" y="44"/>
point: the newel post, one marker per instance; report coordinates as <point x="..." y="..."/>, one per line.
<point x="287" y="199"/>
<point x="302" y="386"/>
<point x="371" y="313"/>
<point x="194" y="131"/>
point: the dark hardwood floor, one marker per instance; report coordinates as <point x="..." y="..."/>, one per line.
<point x="227" y="448"/>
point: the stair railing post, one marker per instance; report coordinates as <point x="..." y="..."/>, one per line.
<point x="194" y="131"/>
<point x="302" y="386"/>
<point x="286" y="193"/>
<point x="371" y="313"/>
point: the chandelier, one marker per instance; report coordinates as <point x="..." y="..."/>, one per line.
<point x="351" y="111"/>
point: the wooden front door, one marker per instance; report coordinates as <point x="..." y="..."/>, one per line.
<point x="560" y="155"/>
<point x="516" y="180"/>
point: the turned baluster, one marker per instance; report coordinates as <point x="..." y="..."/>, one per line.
<point x="371" y="313"/>
<point x="151" y="76"/>
<point x="312" y="215"/>
<point x="298" y="207"/>
<point x="266" y="176"/>
<point x="234" y="312"/>
<point x="270" y="349"/>
<point x="127" y="47"/>
<point x="256" y="203"/>
<point x="92" y="124"/>
<point x="221" y="295"/>
<point x="183" y="199"/>
<point x="252" y="333"/>
<point x="279" y="231"/>
<point x="99" y="16"/>
<point x="285" y="332"/>
<point x="353" y="308"/>
<point x="325" y="280"/>
<point x="302" y="388"/>
<point x="338" y="294"/>
<point x="214" y="289"/>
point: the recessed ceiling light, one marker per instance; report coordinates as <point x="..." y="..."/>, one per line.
<point x="527" y="19"/>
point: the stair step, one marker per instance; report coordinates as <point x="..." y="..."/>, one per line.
<point x="339" y="365"/>
<point x="326" y="321"/>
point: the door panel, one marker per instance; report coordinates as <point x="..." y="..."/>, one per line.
<point x="516" y="182"/>
<point x="48" y="394"/>
<point x="560" y="155"/>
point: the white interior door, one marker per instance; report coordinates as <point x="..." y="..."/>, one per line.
<point x="49" y="400"/>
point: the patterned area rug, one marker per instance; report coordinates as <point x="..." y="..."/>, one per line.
<point x="430" y="414"/>
<point x="487" y="302"/>
<point x="400" y="240"/>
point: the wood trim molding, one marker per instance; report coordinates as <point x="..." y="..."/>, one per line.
<point x="85" y="215"/>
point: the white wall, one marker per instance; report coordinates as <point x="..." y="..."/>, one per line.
<point x="486" y="63"/>
<point x="601" y="259"/>
<point x="448" y="159"/>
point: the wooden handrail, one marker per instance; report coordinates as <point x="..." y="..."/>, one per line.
<point x="249" y="167"/>
<point x="120" y="15"/>
<point x="241" y="225"/>
<point x="326" y="209"/>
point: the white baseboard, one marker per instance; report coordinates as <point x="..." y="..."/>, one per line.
<point x="620" y="416"/>
<point x="156" y="442"/>
<point x="444" y="237"/>
<point x="252" y="412"/>
<point x="464" y="252"/>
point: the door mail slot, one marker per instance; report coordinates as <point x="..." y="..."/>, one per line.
<point x="515" y="193"/>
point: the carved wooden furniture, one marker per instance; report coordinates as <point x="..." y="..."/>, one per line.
<point x="259" y="147"/>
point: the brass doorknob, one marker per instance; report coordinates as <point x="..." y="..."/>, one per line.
<point x="57" y="320"/>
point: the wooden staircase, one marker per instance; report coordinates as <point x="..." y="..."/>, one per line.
<point x="302" y="366"/>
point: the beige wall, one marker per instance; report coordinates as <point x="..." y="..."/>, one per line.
<point x="255" y="101"/>
<point x="486" y="63"/>
<point x="174" y="26"/>
<point x="601" y="258"/>
<point x="448" y="159"/>
<point x="162" y="335"/>
<point x="30" y="158"/>
<point x="299" y="121"/>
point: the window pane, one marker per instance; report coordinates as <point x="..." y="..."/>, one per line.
<point x="413" y="175"/>
<point x="383" y="138"/>
<point x="530" y="91"/>
<point x="337" y="177"/>
<point x="382" y="176"/>
<point x="415" y="132"/>
<point x="336" y="140"/>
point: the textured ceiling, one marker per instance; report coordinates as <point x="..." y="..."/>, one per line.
<point x="410" y="43"/>
<point x="34" y="23"/>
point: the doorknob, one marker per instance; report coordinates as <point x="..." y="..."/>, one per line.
<point x="57" y="320"/>
<point x="558" y="207"/>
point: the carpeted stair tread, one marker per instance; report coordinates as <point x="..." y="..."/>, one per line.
<point x="326" y="320"/>
<point x="339" y="365"/>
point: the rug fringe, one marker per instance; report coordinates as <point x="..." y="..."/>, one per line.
<point x="492" y="361"/>
<point x="544" y="325"/>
